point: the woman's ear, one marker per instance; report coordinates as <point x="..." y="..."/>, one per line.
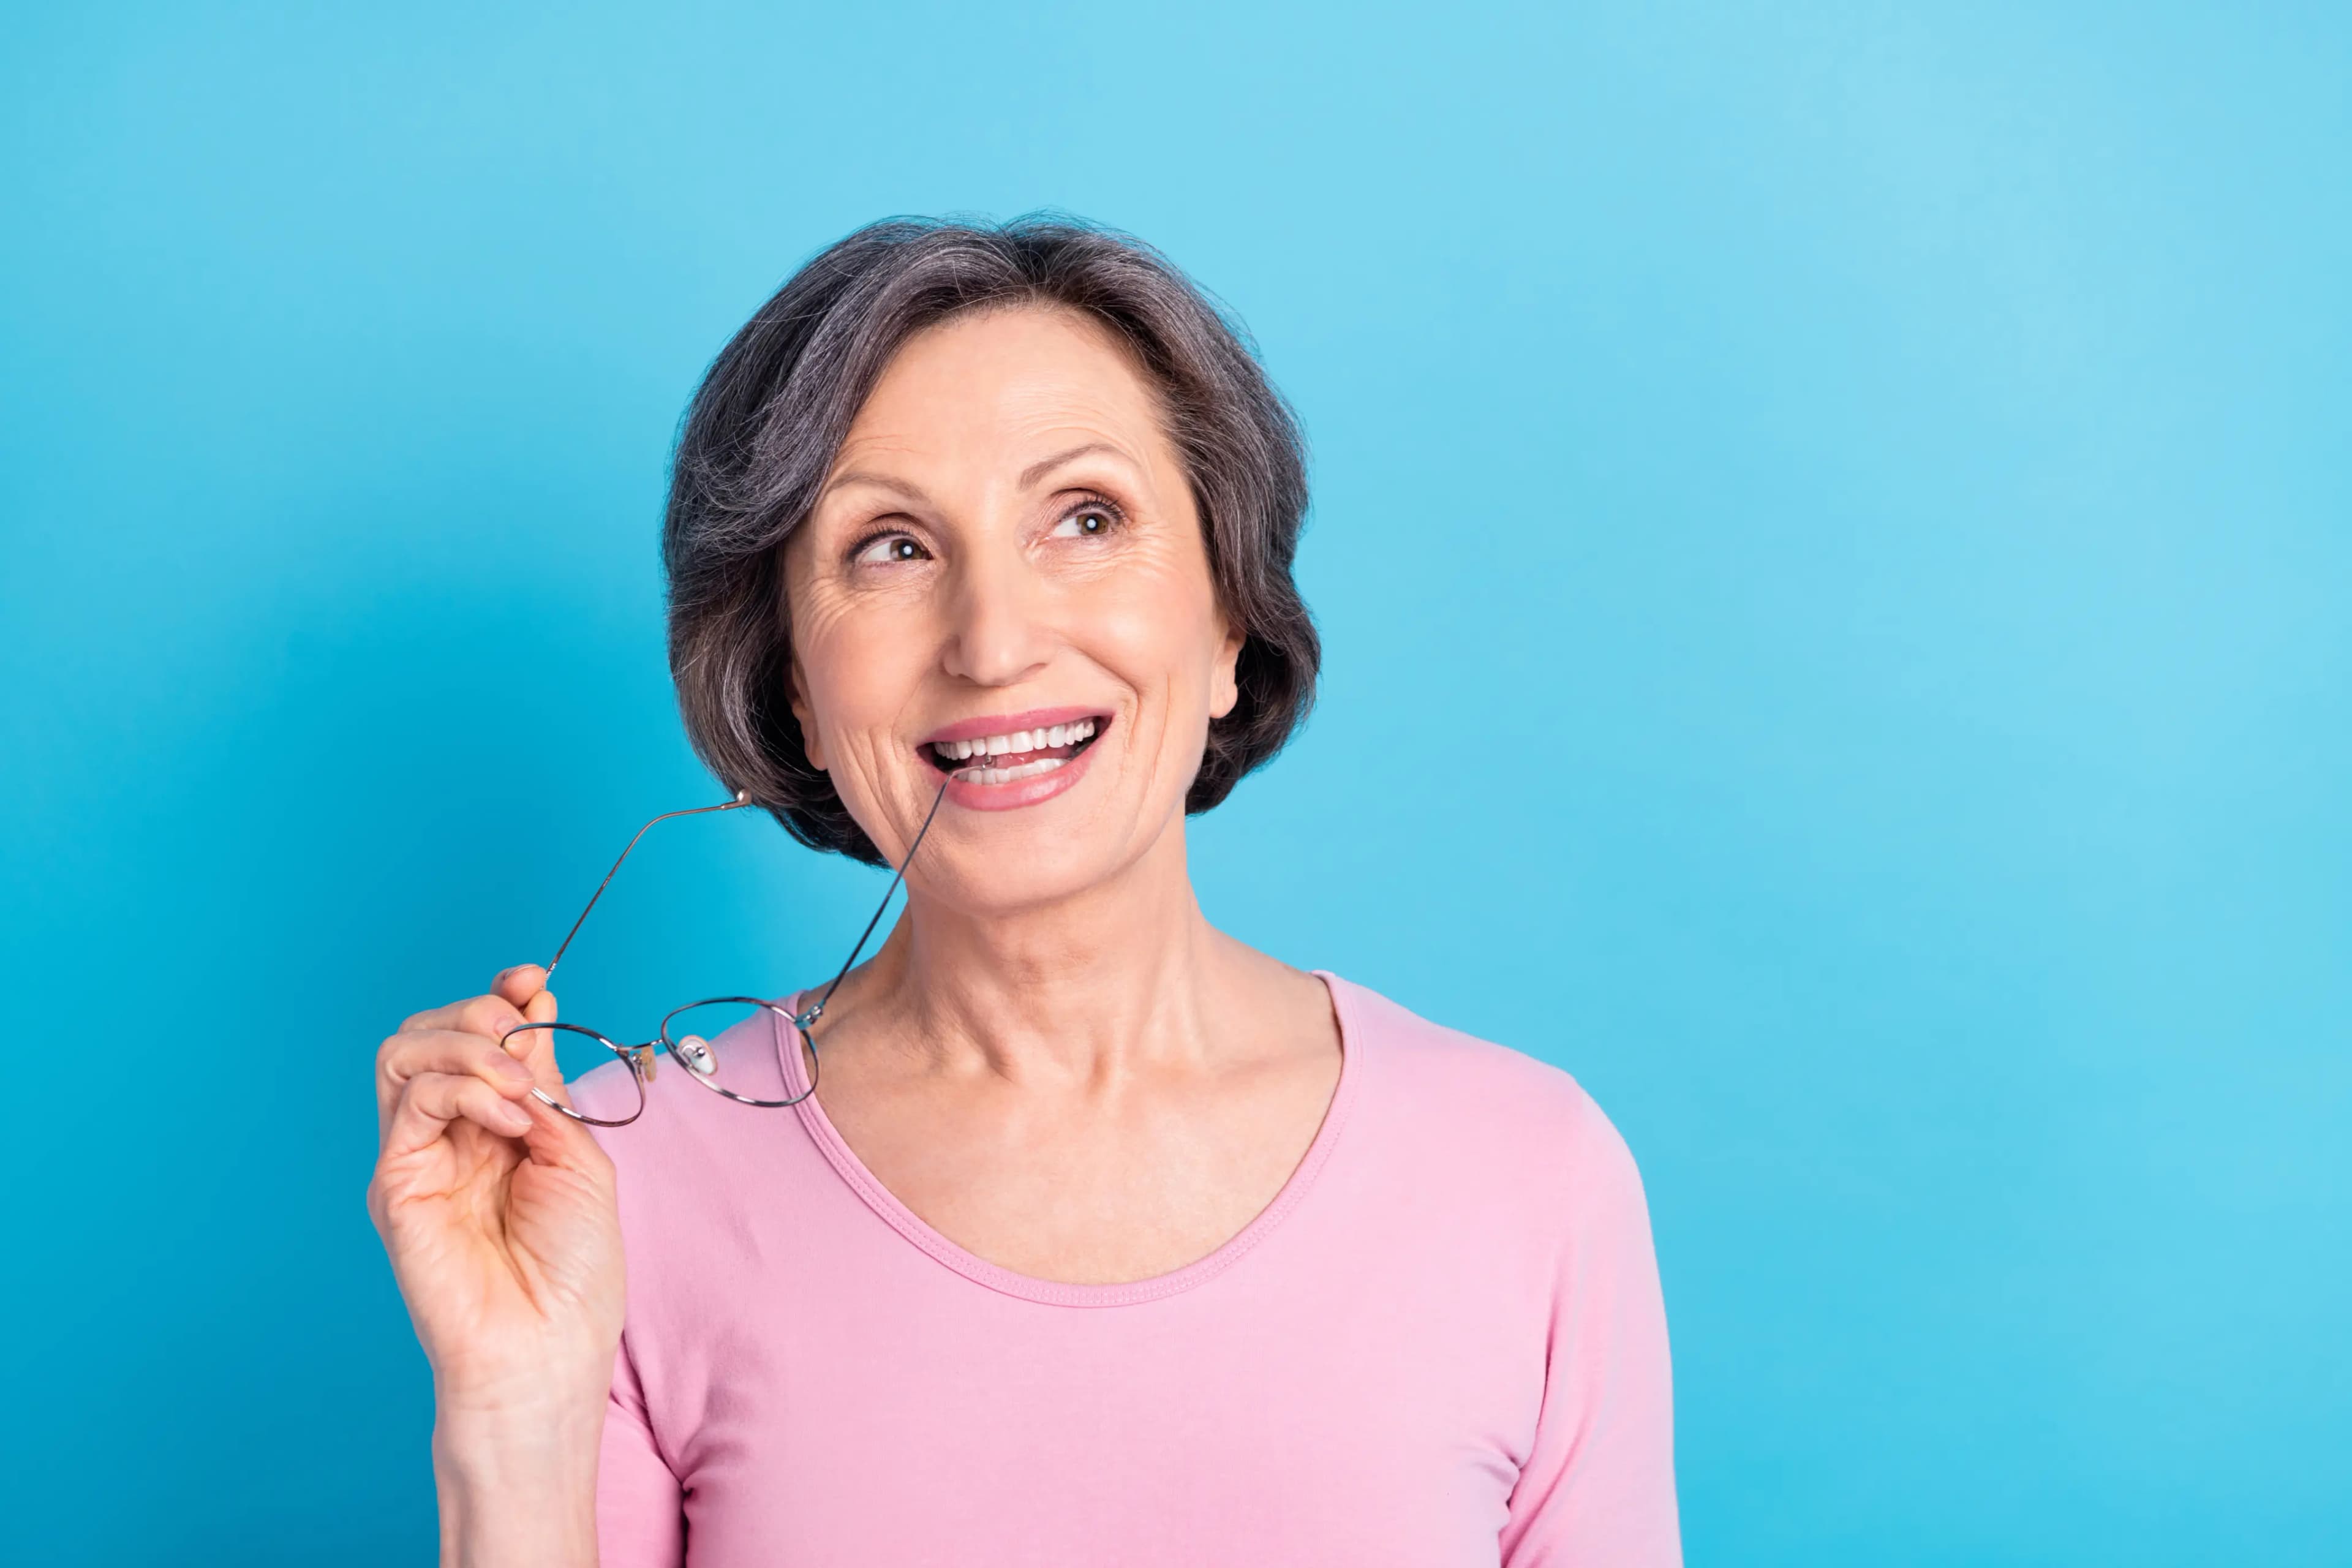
<point x="810" y="744"/>
<point x="1225" y="688"/>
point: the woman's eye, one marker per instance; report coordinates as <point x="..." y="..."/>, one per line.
<point x="1087" y="522"/>
<point x="888" y="550"/>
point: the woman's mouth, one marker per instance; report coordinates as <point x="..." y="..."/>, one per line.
<point x="1015" y="755"/>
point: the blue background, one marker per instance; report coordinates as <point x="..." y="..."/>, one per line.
<point x="1833" y="530"/>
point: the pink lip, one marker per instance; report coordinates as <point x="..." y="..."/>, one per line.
<point x="1005" y="723"/>
<point x="975" y="796"/>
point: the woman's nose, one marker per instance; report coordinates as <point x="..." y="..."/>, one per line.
<point x="997" y="631"/>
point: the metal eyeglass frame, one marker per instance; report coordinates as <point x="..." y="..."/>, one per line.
<point x="640" y="1059"/>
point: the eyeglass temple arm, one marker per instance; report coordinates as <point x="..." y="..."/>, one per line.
<point x="742" y="798"/>
<point x="806" y="1019"/>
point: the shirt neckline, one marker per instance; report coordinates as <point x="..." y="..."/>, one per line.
<point x="1063" y="1293"/>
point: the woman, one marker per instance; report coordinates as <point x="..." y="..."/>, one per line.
<point x="1102" y="1237"/>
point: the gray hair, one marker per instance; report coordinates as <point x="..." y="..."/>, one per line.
<point x="771" y="414"/>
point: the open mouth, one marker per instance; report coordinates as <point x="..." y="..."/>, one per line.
<point x="1020" y="754"/>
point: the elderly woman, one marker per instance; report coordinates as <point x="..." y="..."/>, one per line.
<point x="1100" y="1237"/>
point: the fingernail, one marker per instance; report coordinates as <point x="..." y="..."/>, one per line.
<point x="511" y="1069"/>
<point x="515" y="1116"/>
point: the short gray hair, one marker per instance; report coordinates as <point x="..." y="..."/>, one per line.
<point x="771" y="414"/>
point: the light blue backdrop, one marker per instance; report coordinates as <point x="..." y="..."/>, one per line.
<point x="1833" y="530"/>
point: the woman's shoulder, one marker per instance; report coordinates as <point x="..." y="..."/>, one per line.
<point x="1452" y="1094"/>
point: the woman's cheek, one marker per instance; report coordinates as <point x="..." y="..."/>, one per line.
<point x="830" y="676"/>
<point x="871" y="676"/>
<point x="1178" y="641"/>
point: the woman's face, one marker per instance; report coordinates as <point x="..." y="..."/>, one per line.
<point x="1004" y="579"/>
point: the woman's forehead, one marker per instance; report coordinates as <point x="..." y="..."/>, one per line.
<point x="1006" y="387"/>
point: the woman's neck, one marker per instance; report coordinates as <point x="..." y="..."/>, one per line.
<point x="1127" y="972"/>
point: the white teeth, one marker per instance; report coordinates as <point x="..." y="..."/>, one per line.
<point x="1052" y="737"/>
<point x="1006" y="775"/>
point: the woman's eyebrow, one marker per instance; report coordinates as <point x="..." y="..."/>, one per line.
<point x="1044" y="466"/>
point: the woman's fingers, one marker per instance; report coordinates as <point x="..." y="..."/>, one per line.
<point x="490" y="1015"/>
<point x="525" y="987"/>
<point x="535" y="1049"/>
<point x="476" y="1038"/>
<point x="521" y="983"/>
<point x="413" y="1053"/>
<point x="555" y="1139"/>
<point x="432" y="1101"/>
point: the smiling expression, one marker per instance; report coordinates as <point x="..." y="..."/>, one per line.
<point x="1003" y="586"/>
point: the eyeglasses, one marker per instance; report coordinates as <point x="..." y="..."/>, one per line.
<point x="733" y="1046"/>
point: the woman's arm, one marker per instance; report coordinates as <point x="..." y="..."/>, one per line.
<point x="1599" y="1483"/>
<point x="499" y="1216"/>
<point x="516" y="1490"/>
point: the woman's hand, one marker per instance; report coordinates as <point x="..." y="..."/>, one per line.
<point x="499" y="1217"/>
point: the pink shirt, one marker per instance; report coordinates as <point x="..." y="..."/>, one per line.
<point x="1442" y="1344"/>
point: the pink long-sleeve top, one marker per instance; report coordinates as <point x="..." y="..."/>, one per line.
<point x="1442" y="1344"/>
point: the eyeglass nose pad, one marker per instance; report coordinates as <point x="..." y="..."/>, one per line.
<point x="699" y="1058"/>
<point x="641" y="1062"/>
